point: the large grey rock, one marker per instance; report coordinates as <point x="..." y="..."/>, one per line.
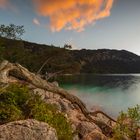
<point x="27" y="130"/>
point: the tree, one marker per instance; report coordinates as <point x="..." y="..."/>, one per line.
<point x="11" y="31"/>
<point x="67" y="46"/>
<point x="2" y="47"/>
<point x="127" y="124"/>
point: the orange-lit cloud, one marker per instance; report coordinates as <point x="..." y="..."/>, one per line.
<point x="36" y="21"/>
<point x="3" y="3"/>
<point x="7" y="4"/>
<point x="73" y="14"/>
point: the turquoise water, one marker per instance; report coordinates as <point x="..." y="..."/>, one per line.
<point x="110" y="93"/>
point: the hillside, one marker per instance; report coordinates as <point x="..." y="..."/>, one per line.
<point x="32" y="56"/>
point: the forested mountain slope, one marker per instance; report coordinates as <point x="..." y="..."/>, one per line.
<point x="32" y="56"/>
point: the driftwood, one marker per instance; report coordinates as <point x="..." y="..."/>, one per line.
<point x="104" y="114"/>
<point x="13" y="72"/>
<point x="38" y="72"/>
<point x="52" y="75"/>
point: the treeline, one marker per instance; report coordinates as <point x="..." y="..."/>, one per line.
<point x="32" y="56"/>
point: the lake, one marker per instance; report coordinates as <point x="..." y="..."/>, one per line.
<point x="110" y="93"/>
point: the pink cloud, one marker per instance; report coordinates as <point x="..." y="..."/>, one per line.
<point x="3" y="3"/>
<point x="73" y="14"/>
<point x="36" y="21"/>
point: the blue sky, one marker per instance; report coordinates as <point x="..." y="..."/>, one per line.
<point x="120" y="30"/>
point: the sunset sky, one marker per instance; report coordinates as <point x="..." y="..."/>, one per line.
<point x="90" y="24"/>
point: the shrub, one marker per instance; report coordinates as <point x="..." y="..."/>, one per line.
<point x="11" y="31"/>
<point x="63" y="128"/>
<point x="48" y="113"/>
<point x="12" y="100"/>
<point x="127" y="124"/>
<point x="17" y="102"/>
<point x="15" y="95"/>
<point x="9" y="113"/>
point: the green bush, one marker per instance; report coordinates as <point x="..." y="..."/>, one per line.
<point x="9" y="113"/>
<point x="17" y="102"/>
<point x="127" y="124"/>
<point x="16" y="95"/>
<point x="12" y="100"/>
<point x="41" y="111"/>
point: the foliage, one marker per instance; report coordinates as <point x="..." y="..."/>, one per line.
<point x="9" y="113"/>
<point x="17" y="102"/>
<point x="67" y="46"/>
<point x="12" y="100"/>
<point x="2" y="47"/>
<point x="127" y="124"/>
<point x="33" y="56"/>
<point x="11" y="31"/>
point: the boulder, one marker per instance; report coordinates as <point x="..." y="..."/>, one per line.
<point x="95" y="135"/>
<point x="85" y="127"/>
<point x="27" y="130"/>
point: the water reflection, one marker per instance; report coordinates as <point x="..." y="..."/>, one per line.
<point x="111" y="93"/>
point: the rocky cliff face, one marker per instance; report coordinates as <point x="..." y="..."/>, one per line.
<point x="85" y="125"/>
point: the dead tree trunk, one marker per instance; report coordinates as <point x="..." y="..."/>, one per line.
<point x="10" y="73"/>
<point x="15" y="73"/>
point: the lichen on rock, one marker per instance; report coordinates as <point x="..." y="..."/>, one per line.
<point x="27" y="130"/>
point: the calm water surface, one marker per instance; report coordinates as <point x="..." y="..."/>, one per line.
<point x="110" y="93"/>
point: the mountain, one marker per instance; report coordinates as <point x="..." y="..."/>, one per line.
<point x="33" y="56"/>
<point x="107" y="61"/>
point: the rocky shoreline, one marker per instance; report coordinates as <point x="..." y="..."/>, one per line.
<point x="85" y="125"/>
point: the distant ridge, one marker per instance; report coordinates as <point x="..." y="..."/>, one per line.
<point x="32" y="56"/>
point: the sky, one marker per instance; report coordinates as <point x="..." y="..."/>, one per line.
<point x="89" y="24"/>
